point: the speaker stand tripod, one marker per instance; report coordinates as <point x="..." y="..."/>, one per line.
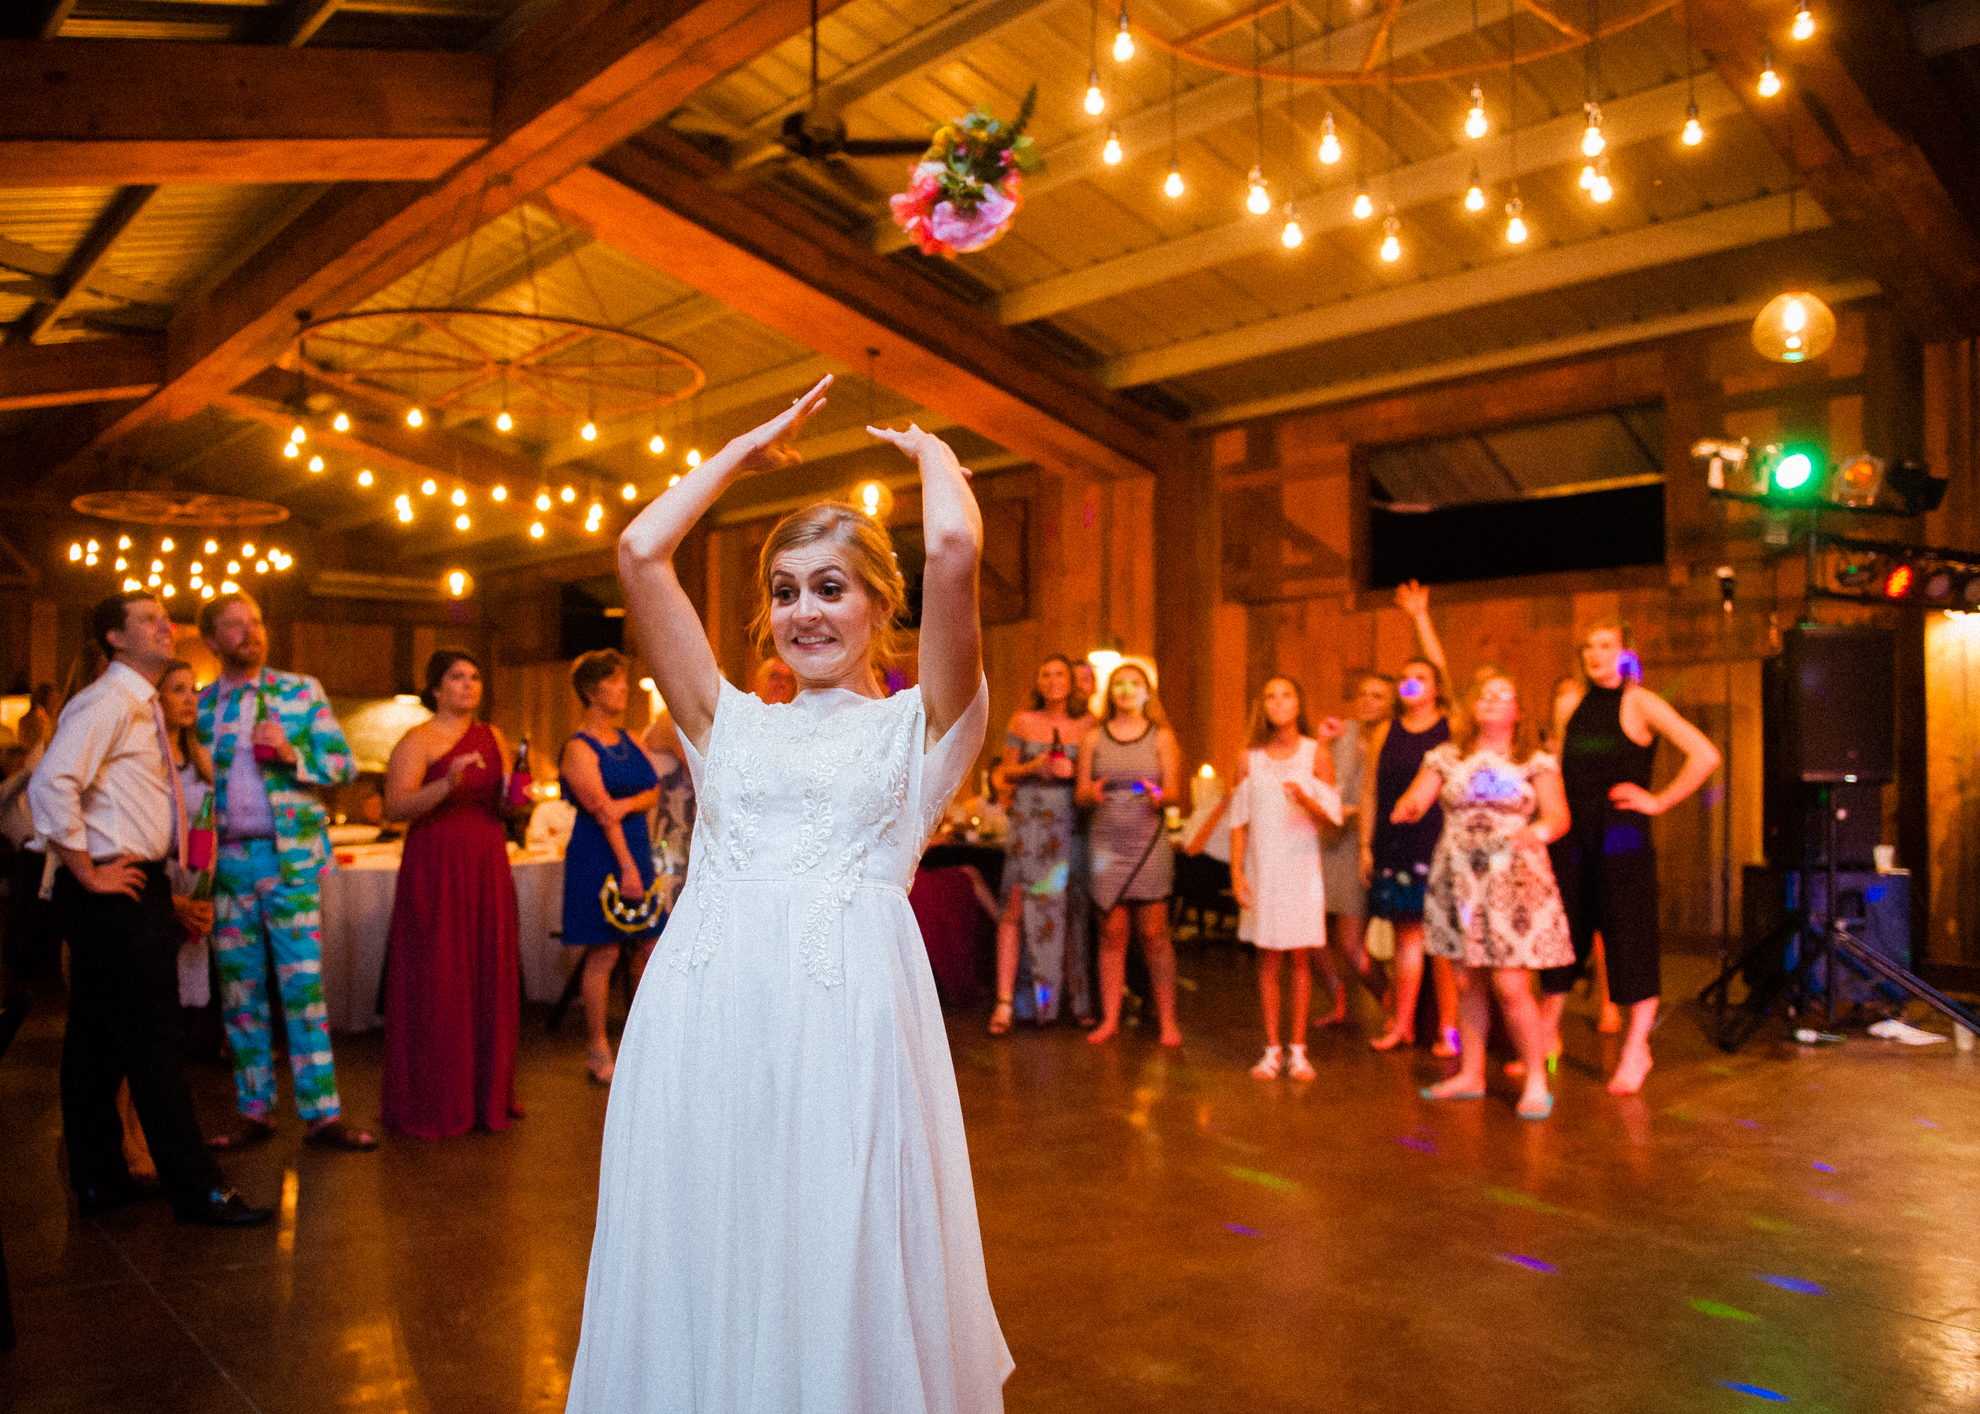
<point x="1736" y="1021"/>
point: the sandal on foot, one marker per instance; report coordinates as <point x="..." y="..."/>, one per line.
<point x="1298" y="1066"/>
<point x="1000" y="1019"/>
<point x="1516" y="1069"/>
<point x="338" y="1135"/>
<point x="1429" y="1092"/>
<point x="1538" y="1111"/>
<point x="1449" y="1044"/>
<point x="252" y="1132"/>
<point x="1268" y="1065"/>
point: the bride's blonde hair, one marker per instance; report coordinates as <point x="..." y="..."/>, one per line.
<point x="869" y="557"/>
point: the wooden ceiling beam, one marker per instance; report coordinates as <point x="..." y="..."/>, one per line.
<point x="1728" y="228"/>
<point x="300" y="20"/>
<point x="77" y="112"/>
<point x="1879" y="145"/>
<point x="85" y="262"/>
<point x="658" y="202"/>
<point x="585" y="76"/>
<point x="87" y="371"/>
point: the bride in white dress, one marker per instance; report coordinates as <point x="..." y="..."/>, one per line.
<point x="785" y="1215"/>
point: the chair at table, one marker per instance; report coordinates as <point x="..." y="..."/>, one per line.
<point x="1203" y="894"/>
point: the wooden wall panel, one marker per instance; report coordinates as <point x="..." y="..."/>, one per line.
<point x="1952" y="688"/>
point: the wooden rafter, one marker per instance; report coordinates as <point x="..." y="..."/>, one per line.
<point x="300" y="20"/>
<point x="87" y="371"/>
<point x="85" y="262"/>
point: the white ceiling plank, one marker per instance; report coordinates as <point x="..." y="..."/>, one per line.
<point x="1709" y="233"/>
<point x="1634" y="119"/>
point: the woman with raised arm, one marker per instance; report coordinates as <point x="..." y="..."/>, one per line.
<point x="785" y="1214"/>
<point x="1607" y="868"/>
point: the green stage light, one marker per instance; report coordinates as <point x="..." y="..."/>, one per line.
<point x="1793" y="472"/>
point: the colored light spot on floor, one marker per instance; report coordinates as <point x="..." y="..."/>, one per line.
<point x="1821" y="1167"/>
<point x="1513" y="1198"/>
<point x="1829" y="1195"/>
<point x="1772" y="1396"/>
<point x="1722" y="1069"/>
<point x="1920" y="1214"/>
<point x="1928" y="1123"/>
<point x="1411" y="1141"/>
<point x="1242" y="1231"/>
<point x="1747" y="1123"/>
<point x="981" y="1059"/>
<point x="1771" y="1225"/>
<point x="1806" y="1288"/>
<point x="1532" y="1264"/>
<point x="1263" y="1180"/>
<point x="1188" y="984"/>
<point x="1678" y="1112"/>
<point x="1718" y="1308"/>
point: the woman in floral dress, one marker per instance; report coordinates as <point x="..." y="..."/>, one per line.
<point x="1492" y="902"/>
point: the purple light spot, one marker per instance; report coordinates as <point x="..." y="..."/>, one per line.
<point x="1806" y="1288"/>
<point x="1242" y="1231"/>
<point x="1821" y="1167"/>
<point x="1532" y="1264"/>
<point x="1772" y="1396"/>
<point x="1928" y="1123"/>
<point x="1747" y="1123"/>
<point x="1410" y="1141"/>
<point x="1829" y="1197"/>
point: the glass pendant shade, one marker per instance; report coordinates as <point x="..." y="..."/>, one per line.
<point x="1794" y="327"/>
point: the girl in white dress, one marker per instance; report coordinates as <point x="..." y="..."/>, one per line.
<point x="1285" y="789"/>
<point x="785" y="1214"/>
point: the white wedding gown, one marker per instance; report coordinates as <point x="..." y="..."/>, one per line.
<point x="785" y="1216"/>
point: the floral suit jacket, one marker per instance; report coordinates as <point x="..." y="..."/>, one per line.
<point x="323" y="758"/>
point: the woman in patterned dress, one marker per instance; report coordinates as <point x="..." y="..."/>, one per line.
<point x="1045" y="907"/>
<point x="1491" y="901"/>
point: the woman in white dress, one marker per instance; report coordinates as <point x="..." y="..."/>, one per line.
<point x="785" y="1214"/>
<point x="1285" y="789"/>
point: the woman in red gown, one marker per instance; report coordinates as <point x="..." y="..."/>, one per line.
<point x="452" y="999"/>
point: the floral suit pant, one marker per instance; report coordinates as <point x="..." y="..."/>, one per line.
<point x="253" y="902"/>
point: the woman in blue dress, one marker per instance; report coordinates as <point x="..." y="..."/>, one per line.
<point x="612" y="783"/>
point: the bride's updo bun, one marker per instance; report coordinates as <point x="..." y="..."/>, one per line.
<point x="869" y="556"/>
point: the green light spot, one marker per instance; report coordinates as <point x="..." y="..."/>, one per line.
<point x="1679" y="1112"/>
<point x="1921" y="1215"/>
<point x="1513" y="1198"/>
<point x="1721" y="1069"/>
<point x="1771" y="1225"/>
<point x="1793" y="472"/>
<point x="1719" y="1309"/>
<point x="1263" y="1180"/>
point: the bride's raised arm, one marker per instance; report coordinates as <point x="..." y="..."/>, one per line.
<point x="951" y="629"/>
<point x="671" y="638"/>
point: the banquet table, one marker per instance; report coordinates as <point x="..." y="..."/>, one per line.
<point x="357" y="916"/>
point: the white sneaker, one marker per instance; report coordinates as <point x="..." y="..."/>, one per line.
<point x="1299" y="1068"/>
<point x="1268" y="1066"/>
<point x="1894" y="1030"/>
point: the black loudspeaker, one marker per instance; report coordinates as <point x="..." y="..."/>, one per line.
<point x="1795" y="835"/>
<point x="1831" y="705"/>
<point x="1877" y="908"/>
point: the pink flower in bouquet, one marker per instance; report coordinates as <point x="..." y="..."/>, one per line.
<point x="967" y="232"/>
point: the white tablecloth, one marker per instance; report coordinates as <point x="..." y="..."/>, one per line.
<point x="357" y="916"/>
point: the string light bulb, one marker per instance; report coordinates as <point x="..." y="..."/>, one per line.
<point x="414" y="417"/>
<point x="291" y="450"/>
<point x="1588" y="176"/>
<point x="1474" y="196"/>
<point x="589" y="432"/>
<point x="503" y="422"/>
<point x="429" y="487"/>
<point x="1600" y="190"/>
<point x="693" y="458"/>
<point x="1804" y="23"/>
<point x="1364" y="207"/>
<point x="75" y="552"/>
<point x="1476" y="125"/>
<point x="341" y="422"/>
<point x="1096" y="101"/>
<point x="1172" y="185"/>
<point x="1124" y="40"/>
<point x="1391" y="239"/>
<point x="212" y="547"/>
<point x="316" y="463"/>
<point x="536" y="530"/>
<point x="459" y="497"/>
<point x="461" y="521"/>
<point x="165" y="546"/>
<point x="298" y="434"/>
<point x="1257" y="199"/>
<point x="1770" y="81"/>
<point x="543" y="500"/>
<point x="365" y="477"/>
<point x="1515" y="223"/>
<point x="1290" y="234"/>
<point x="629" y="491"/>
<point x="1694" y="131"/>
<point x="1330" y="142"/>
<point x="1111" y="153"/>
<point x="498" y="494"/>
<point x="1592" y="141"/>
<point x="656" y="444"/>
<point x="567" y="495"/>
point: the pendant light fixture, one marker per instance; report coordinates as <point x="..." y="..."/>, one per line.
<point x="1290" y="235"/>
<point x="1391" y="247"/>
<point x="1123" y="39"/>
<point x="1515" y="219"/>
<point x="1258" y="198"/>
<point x="1770" y="79"/>
<point x="1795" y="326"/>
<point x="1474" y="196"/>
<point x="1096" y="101"/>
<point x="1804" y="23"/>
<point x="1475" y="122"/>
<point x="1172" y="185"/>
<point x="1330" y="143"/>
<point x="1111" y="152"/>
<point x="1694" y="131"/>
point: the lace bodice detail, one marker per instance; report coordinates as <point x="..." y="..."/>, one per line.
<point x="829" y="794"/>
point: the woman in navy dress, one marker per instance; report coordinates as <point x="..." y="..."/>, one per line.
<point x="612" y="783"/>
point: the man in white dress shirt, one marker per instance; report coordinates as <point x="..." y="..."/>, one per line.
<point x="107" y="802"/>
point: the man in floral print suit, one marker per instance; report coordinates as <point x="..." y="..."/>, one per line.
<point x="273" y="739"/>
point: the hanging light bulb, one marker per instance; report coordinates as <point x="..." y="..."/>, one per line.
<point x="1600" y="189"/>
<point x="1770" y="81"/>
<point x="629" y="491"/>
<point x="405" y="511"/>
<point x="1474" y="197"/>
<point x="1111" y="153"/>
<point x="503" y="422"/>
<point x="1290" y="234"/>
<point x="1172" y="185"/>
<point x="536" y="530"/>
<point x="1363" y="206"/>
<point x="1793" y="327"/>
<point x="1258" y="199"/>
<point x="316" y="463"/>
<point x="1330" y="142"/>
<point x="1124" y="40"/>
<point x="656" y="444"/>
<point x="364" y="477"/>
<point x="341" y="422"/>
<point x="459" y="497"/>
<point x="122" y="564"/>
<point x="1475" y="123"/>
<point x="567" y="495"/>
<point x="291" y="450"/>
<point x="1694" y="131"/>
<point x="461" y="521"/>
<point x="1515" y="223"/>
<point x="498" y="493"/>
<point x="1096" y="101"/>
<point x="1592" y="141"/>
<point x="165" y="545"/>
<point x="543" y="500"/>
<point x="429" y="487"/>
<point x="693" y="458"/>
<point x="157" y="566"/>
<point x="298" y="433"/>
<point x="673" y="481"/>
<point x="414" y="417"/>
<point x="1391" y="240"/>
<point x="1804" y="23"/>
<point x="1588" y="176"/>
<point x="589" y="432"/>
<point x="75" y="552"/>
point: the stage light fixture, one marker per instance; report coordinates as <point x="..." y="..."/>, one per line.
<point x="1969" y="592"/>
<point x="1914" y="483"/>
<point x="1935" y="586"/>
<point x="1857" y="572"/>
<point x="1857" y="480"/>
<point x="1897" y="583"/>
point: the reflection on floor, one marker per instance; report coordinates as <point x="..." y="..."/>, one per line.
<point x="1164" y="1234"/>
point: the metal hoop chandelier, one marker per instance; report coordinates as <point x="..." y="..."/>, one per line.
<point x="476" y="361"/>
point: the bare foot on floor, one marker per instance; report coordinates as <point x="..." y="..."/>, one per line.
<point x="1391" y="1040"/>
<point x="1610" y="1022"/>
<point x="1104" y="1032"/>
<point x="1631" y="1071"/>
<point x="1458" y="1087"/>
<point x="1171" y="1037"/>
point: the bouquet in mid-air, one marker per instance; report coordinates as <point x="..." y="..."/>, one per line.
<point x="963" y="192"/>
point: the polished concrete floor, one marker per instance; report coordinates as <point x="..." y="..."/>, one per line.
<point x="1163" y="1234"/>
